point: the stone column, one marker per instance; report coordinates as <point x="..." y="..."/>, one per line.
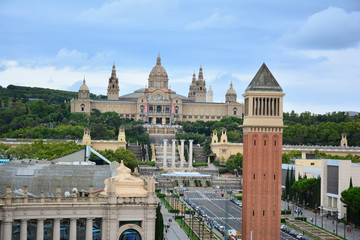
<point x="190" y="153"/>
<point x="89" y="227"/>
<point x="182" y="153"/>
<point x="173" y="153"/>
<point x="73" y="229"/>
<point x="165" y="154"/>
<point x="7" y="229"/>
<point x="40" y="229"/>
<point x="56" y="230"/>
<point x="23" y="229"/>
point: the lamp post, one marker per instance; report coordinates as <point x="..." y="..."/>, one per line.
<point x="336" y="219"/>
<point x="344" y="225"/>
<point x="293" y="199"/>
<point x="322" y="216"/>
<point x="287" y="202"/>
<point x="192" y="223"/>
<point x="199" y="225"/>
<point x="298" y="201"/>
<point x="315" y="212"/>
<point x="203" y="225"/>
<point x="303" y="207"/>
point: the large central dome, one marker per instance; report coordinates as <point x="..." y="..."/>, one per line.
<point x="158" y="77"/>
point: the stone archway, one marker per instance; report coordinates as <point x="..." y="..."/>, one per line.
<point x="135" y="227"/>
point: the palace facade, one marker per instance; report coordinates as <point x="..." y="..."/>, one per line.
<point x="158" y="104"/>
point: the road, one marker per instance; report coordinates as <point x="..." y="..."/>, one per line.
<point x="221" y="209"/>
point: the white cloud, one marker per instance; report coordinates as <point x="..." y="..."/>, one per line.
<point x="331" y="28"/>
<point x="214" y="21"/>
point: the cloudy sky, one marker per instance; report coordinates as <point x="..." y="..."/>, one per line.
<point x="311" y="47"/>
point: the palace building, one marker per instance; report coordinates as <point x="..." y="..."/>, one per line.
<point x="158" y="104"/>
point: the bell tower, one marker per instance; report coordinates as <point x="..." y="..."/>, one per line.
<point x="262" y="159"/>
<point x="113" y="87"/>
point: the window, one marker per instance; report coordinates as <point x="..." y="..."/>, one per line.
<point x="253" y="212"/>
<point x="184" y="116"/>
<point x="254" y="142"/>
<point x="264" y="142"/>
<point x="312" y="164"/>
<point x="82" y="107"/>
<point x="167" y="110"/>
<point x="224" y="151"/>
<point x="263" y="212"/>
<point x="218" y="117"/>
<point x="133" y="115"/>
<point x="274" y="177"/>
<point x="190" y="116"/>
<point x="254" y="176"/>
<point x="158" y="109"/>
<point x="212" y="117"/>
<point x="127" y="115"/>
<point x="207" y="117"/>
<point x="275" y="143"/>
<point x="201" y="117"/>
<point x="195" y="117"/>
<point x="151" y="109"/>
<point x="234" y="109"/>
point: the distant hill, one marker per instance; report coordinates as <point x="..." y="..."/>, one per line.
<point x="36" y="93"/>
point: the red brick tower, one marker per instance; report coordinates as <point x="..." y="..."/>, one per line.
<point x="263" y="127"/>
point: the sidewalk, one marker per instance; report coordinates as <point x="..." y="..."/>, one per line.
<point x="175" y="232"/>
<point x="328" y="223"/>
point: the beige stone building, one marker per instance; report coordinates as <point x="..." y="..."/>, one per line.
<point x="105" y="144"/>
<point x="158" y="104"/>
<point x="126" y="207"/>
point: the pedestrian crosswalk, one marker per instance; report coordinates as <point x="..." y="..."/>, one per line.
<point x="211" y="199"/>
<point x="224" y="218"/>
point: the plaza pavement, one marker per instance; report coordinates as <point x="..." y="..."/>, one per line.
<point x="328" y="223"/>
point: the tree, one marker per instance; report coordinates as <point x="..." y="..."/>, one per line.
<point x="121" y="154"/>
<point x="159" y="225"/>
<point x="351" y="198"/>
<point x="235" y="162"/>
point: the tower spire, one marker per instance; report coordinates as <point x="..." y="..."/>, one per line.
<point x="201" y="77"/>
<point x="158" y="60"/>
<point x="113" y="72"/>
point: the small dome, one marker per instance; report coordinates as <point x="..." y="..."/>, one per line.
<point x="231" y="91"/>
<point x="158" y="71"/>
<point x="83" y="87"/>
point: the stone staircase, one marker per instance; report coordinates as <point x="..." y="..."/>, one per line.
<point x="199" y="154"/>
<point x="136" y="150"/>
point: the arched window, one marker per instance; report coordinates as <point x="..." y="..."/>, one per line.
<point x="167" y="110"/>
<point x="234" y="109"/>
<point x="158" y="109"/>
<point x="151" y="109"/>
<point x="130" y="234"/>
<point x="142" y="108"/>
<point x="82" y="106"/>
<point x="176" y="109"/>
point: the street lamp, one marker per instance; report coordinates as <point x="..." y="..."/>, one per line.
<point x="315" y="212"/>
<point x="303" y="207"/>
<point x="287" y="202"/>
<point x="203" y="224"/>
<point x="322" y="216"/>
<point x="293" y="199"/>
<point x="344" y="225"/>
<point x="336" y="219"/>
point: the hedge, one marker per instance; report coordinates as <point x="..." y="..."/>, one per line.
<point x="157" y="190"/>
<point x="239" y="197"/>
<point x="198" y="164"/>
<point x="174" y="211"/>
<point x="283" y="220"/>
<point x="160" y="195"/>
<point x="300" y="218"/>
<point x="149" y="163"/>
<point x="179" y="217"/>
<point x="285" y="212"/>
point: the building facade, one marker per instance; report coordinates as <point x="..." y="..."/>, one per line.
<point x="158" y="104"/>
<point x="126" y="207"/>
<point x="263" y="127"/>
